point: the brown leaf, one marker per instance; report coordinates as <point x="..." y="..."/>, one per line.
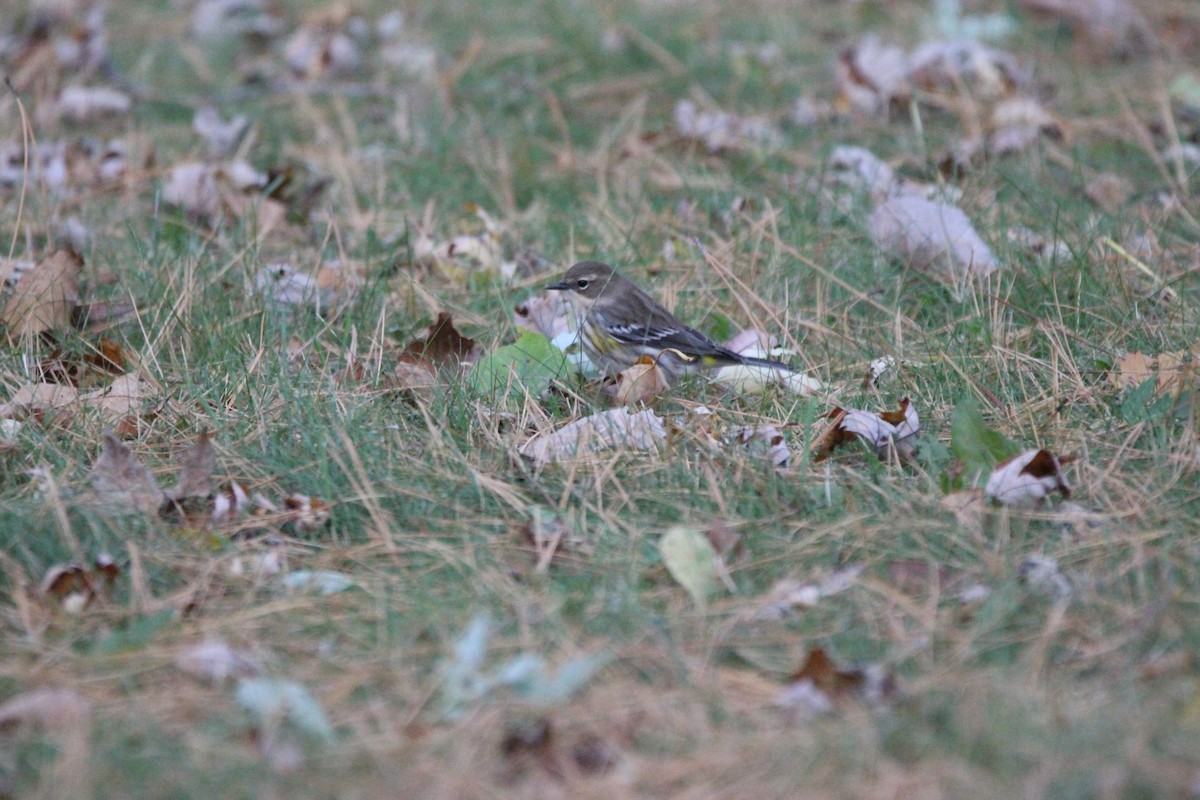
<point x="441" y="345"/>
<point x="120" y="480"/>
<point x="641" y="381"/>
<point x="44" y="297"/>
<point x="1171" y="370"/>
<point x="1028" y="478"/>
<point x="879" y="431"/>
<point x="196" y="466"/>
<point x="820" y="686"/>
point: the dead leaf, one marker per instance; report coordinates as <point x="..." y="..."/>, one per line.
<point x="1028" y="478"/>
<point x="722" y="130"/>
<point x="119" y="403"/>
<point x="638" y="383"/>
<point x="333" y="284"/>
<point x="85" y="104"/>
<point x="215" y="661"/>
<point x="208" y="192"/>
<point x="820" y="686"/>
<point x="36" y="399"/>
<point x="932" y="237"/>
<point x="44" y="297"/>
<point x="220" y="137"/>
<point x="1017" y="124"/>
<point x="1110" y="192"/>
<point x="441" y="345"/>
<point x="872" y="78"/>
<point x="879" y="431"/>
<point x="966" y="65"/>
<point x="196" y="466"/>
<point x="1042" y="574"/>
<point x="615" y="428"/>
<point x="1171" y="370"/>
<point x="772" y="439"/>
<point x="322" y="46"/>
<point x="120" y="481"/>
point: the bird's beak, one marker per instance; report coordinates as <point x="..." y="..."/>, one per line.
<point x="560" y="286"/>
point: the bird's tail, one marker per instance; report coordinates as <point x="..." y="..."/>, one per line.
<point x="753" y="361"/>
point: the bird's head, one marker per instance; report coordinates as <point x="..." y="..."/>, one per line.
<point x="587" y="280"/>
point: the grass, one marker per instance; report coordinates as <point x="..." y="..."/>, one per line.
<point x="571" y="147"/>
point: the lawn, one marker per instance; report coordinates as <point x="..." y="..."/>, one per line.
<point x="266" y="530"/>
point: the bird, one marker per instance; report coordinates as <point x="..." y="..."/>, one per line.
<point x="619" y="324"/>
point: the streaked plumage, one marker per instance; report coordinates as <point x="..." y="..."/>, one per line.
<point x="619" y="324"/>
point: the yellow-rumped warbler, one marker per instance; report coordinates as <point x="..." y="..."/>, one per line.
<point x="619" y="324"/>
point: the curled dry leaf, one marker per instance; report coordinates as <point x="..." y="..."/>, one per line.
<point x="219" y="19"/>
<point x="821" y="686"/>
<point x="221" y="137"/>
<point x="872" y="77"/>
<point x="638" y="383"/>
<point x="722" y="130"/>
<point x="333" y="285"/>
<point x="1028" y="478"/>
<point x="44" y="297"/>
<point x="324" y="45"/>
<point x="196" y="465"/>
<point x="215" y="661"/>
<point x="466" y="254"/>
<point x="770" y="438"/>
<point x="615" y="428"/>
<point x="966" y="65"/>
<point x="86" y="104"/>
<point x="1042" y="574"/>
<point x="790" y="594"/>
<point x="119" y="403"/>
<point x="74" y="587"/>
<point x="858" y="169"/>
<point x="1017" y="124"/>
<point x="879" y="431"/>
<point x="39" y="400"/>
<point x="932" y="237"/>
<point x="209" y="191"/>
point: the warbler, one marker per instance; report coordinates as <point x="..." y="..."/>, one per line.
<point x="619" y="324"/>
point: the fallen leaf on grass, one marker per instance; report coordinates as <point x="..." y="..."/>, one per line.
<point x="1028" y="478"/>
<point x="879" y="431"/>
<point x="722" y="130"/>
<point x="872" y="77"/>
<point x="442" y="344"/>
<point x="932" y="237"/>
<point x="85" y="104"/>
<point x="208" y="192"/>
<point x="821" y="686"/>
<point x="615" y="428"/>
<point x="1109" y="192"/>
<point x="790" y="594"/>
<point x="1042" y="574"/>
<point x="215" y="661"/>
<point x="948" y="66"/>
<point x="464" y="255"/>
<point x="770" y="438"/>
<point x="120" y="481"/>
<point x="325" y="582"/>
<point x="323" y="45"/>
<point x="39" y="400"/>
<point x="1169" y="370"/>
<point x="638" y="383"/>
<point x="44" y="297"/>
<point x="74" y="587"/>
<point x="331" y="286"/>
<point x="220" y="137"/>
<point x="196" y="465"/>
<point x="104" y="360"/>
<point x="690" y="558"/>
<point x="532" y="362"/>
<point x="1017" y="124"/>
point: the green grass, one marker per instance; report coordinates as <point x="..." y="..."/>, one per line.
<point x="572" y="148"/>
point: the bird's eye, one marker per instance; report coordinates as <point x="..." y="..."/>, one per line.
<point x="582" y="283"/>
